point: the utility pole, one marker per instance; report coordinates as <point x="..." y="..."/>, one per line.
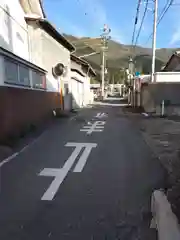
<point x="154" y="39"/>
<point x="131" y="80"/>
<point x="104" y="37"/>
<point x="102" y="73"/>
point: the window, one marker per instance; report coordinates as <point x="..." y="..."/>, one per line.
<point x="24" y="75"/>
<point x="39" y="80"/>
<point x="11" y="71"/>
<point x="17" y="73"/>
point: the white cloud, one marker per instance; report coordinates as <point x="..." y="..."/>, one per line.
<point x="175" y="25"/>
<point x="175" y="37"/>
<point x="117" y="36"/>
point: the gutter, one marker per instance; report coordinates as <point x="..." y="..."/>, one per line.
<point x="83" y="62"/>
<point x="51" y="30"/>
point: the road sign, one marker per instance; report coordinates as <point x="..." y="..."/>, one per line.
<point x="137" y="74"/>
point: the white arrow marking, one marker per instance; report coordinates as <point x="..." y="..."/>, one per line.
<point x="60" y="174"/>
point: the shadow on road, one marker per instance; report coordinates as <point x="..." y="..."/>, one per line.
<point x="112" y="101"/>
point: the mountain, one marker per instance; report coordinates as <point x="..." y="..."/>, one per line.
<point x="118" y="54"/>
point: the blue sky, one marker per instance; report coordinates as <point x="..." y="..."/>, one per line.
<point x="85" y="18"/>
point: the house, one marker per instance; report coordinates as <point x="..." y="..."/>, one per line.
<point x="22" y="84"/>
<point x="13" y="29"/>
<point x="29" y="80"/>
<point x="173" y="64"/>
<point x="165" y="88"/>
<point x="81" y="73"/>
<point x="49" y="49"/>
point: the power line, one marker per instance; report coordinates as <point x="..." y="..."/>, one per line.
<point x="142" y="21"/>
<point x="136" y="20"/>
<point x="162" y="14"/>
<point x="160" y="19"/>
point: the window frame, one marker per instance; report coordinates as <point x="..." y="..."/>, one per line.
<point x="17" y="83"/>
<point x="20" y="83"/>
<point x="41" y="75"/>
<point x="7" y="59"/>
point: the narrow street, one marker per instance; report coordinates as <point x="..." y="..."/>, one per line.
<point x="87" y="178"/>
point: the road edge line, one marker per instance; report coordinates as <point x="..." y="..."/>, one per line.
<point x="11" y="157"/>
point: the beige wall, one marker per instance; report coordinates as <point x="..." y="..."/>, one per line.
<point x="31" y="7"/>
<point x="35" y="46"/>
<point x="13" y="28"/>
<point x="53" y="53"/>
<point x="46" y="52"/>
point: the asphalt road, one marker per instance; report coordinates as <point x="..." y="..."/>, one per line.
<point x="101" y="189"/>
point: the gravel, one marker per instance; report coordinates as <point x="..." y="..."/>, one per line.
<point x="163" y="137"/>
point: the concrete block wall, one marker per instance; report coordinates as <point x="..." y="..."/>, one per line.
<point x="153" y="94"/>
<point x="20" y="107"/>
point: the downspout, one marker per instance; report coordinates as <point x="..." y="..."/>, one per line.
<point x="88" y="72"/>
<point x="61" y="93"/>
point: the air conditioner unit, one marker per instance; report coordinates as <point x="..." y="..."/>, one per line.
<point x="58" y="70"/>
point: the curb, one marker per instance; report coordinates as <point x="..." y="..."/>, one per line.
<point x="164" y="220"/>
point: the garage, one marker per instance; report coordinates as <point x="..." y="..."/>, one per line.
<point x="77" y="93"/>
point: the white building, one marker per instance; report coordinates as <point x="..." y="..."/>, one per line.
<point x="47" y="49"/>
<point x="81" y="73"/>
<point x="13" y="28"/>
<point x="29" y="91"/>
<point x="22" y="83"/>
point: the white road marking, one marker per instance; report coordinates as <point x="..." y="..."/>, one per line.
<point x="11" y="157"/>
<point x="8" y="159"/>
<point x="60" y="174"/>
<point x="101" y="115"/>
<point x="83" y="159"/>
<point x="97" y="126"/>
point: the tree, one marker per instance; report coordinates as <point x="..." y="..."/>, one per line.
<point x="116" y="76"/>
<point x="94" y="81"/>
